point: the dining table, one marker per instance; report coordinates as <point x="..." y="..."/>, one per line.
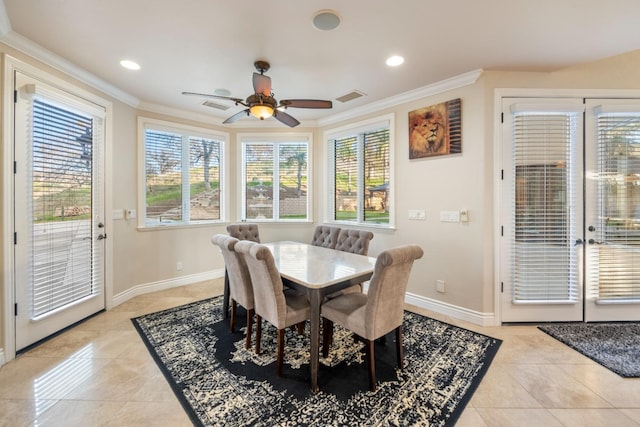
<point x="318" y="271"/>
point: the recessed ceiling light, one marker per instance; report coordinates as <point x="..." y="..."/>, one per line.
<point x="395" y="60"/>
<point x="129" y="65"/>
<point x="325" y="20"/>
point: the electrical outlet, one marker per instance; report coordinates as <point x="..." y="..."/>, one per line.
<point x="440" y="286"/>
<point x="179" y="265"/>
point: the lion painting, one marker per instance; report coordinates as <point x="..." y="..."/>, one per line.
<point x="430" y="130"/>
<point x="427" y="135"/>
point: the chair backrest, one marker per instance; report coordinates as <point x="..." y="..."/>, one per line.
<point x="354" y="241"/>
<point x="268" y="296"/>
<point x="244" y="231"/>
<point x="385" y="297"/>
<point x="325" y="236"/>
<point x="240" y="287"/>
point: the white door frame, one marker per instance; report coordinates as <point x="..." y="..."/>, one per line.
<point x="12" y="64"/>
<point x="499" y="94"/>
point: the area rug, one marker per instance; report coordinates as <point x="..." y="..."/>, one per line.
<point x="615" y="346"/>
<point x="218" y="382"/>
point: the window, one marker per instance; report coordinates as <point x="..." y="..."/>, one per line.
<point x="360" y="175"/>
<point x="183" y="174"/>
<point x="275" y="178"/>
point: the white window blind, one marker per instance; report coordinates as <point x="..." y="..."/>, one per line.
<point x="544" y="261"/>
<point x="275" y="179"/>
<point x="63" y="152"/>
<point x="360" y="175"/>
<point x="617" y="254"/>
<point x="183" y="176"/>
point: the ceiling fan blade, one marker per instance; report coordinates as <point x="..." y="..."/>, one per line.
<point x="306" y="103"/>
<point x="262" y="84"/>
<point x="237" y="116"/>
<point x="285" y="118"/>
<point x="208" y="95"/>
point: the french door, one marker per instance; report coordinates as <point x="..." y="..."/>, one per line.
<point x="570" y="245"/>
<point x="59" y="220"/>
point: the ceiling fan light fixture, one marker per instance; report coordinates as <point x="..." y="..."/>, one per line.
<point x="261" y="111"/>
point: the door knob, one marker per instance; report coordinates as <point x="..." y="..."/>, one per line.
<point x="592" y="228"/>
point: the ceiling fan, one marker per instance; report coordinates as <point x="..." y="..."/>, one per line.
<point x="262" y="104"/>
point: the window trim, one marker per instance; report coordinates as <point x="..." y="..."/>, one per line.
<point x="273" y="138"/>
<point x="145" y="123"/>
<point x="329" y="186"/>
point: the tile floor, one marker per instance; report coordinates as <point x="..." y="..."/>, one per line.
<point x="101" y="374"/>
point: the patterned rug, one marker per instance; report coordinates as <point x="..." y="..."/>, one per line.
<point x="220" y="383"/>
<point x="615" y="346"/>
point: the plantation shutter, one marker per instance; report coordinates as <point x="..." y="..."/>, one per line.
<point x="376" y="176"/>
<point x="543" y="257"/>
<point x="258" y="177"/>
<point x="65" y="141"/>
<point x="292" y="180"/>
<point x="163" y="173"/>
<point x="617" y="248"/>
<point x="346" y="167"/>
<point x="204" y="179"/>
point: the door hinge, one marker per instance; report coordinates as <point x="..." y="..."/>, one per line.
<point x="502" y="230"/>
<point x="501" y="286"/>
<point x="15" y="309"/>
<point x="501" y="117"/>
<point x="15" y="237"/>
<point x="15" y="96"/>
<point x="502" y="174"/>
<point x="15" y="167"/>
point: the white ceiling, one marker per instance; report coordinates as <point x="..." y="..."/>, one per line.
<point x="204" y="45"/>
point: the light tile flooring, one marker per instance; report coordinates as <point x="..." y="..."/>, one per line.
<point x="100" y="374"/>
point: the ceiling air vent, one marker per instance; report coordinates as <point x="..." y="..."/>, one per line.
<point x="354" y="94"/>
<point x="214" y="105"/>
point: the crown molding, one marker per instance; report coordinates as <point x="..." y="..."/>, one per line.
<point x="26" y="46"/>
<point x="413" y="95"/>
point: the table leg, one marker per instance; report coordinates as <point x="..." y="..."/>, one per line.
<point x="314" y="300"/>
<point x="225" y="298"/>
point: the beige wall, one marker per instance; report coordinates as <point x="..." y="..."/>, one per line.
<point x="461" y="254"/>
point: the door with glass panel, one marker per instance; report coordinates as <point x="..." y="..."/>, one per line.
<point x="570" y="246"/>
<point x="612" y="235"/>
<point x="59" y="220"/>
<point x="542" y="221"/>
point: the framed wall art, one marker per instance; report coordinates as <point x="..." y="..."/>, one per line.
<point x="436" y="130"/>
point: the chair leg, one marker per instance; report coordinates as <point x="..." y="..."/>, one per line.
<point x="258" y="332"/>
<point x="280" y="354"/>
<point x="371" y="362"/>
<point x="247" y="343"/>
<point x="399" y="347"/>
<point x="300" y="327"/>
<point x="233" y="316"/>
<point x="327" y="336"/>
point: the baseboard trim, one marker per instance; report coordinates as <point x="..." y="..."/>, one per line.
<point x="460" y="313"/>
<point x="166" y="284"/>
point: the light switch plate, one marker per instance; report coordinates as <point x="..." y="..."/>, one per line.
<point x="417" y="214"/>
<point x="449" y="216"/>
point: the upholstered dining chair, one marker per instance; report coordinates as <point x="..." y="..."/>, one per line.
<point x="241" y="231"/>
<point x="271" y="302"/>
<point x="378" y="312"/>
<point x="240" y="288"/>
<point x="356" y="242"/>
<point x="325" y="236"/>
<point x="244" y="231"/>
